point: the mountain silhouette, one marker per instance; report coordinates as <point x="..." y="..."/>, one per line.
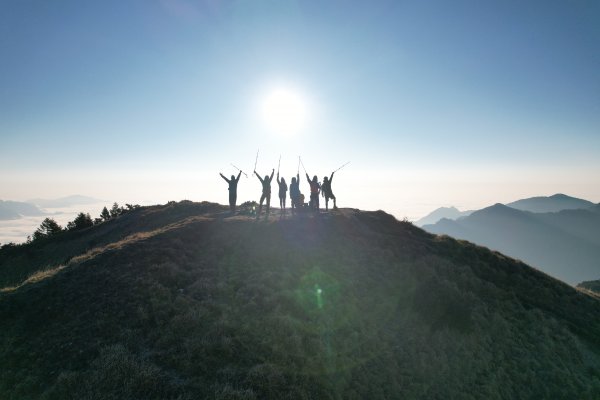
<point x="555" y="203"/>
<point x="540" y="204"/>
<point x="68" y="201"/>
<point x="17" y="209"/>
<point x="564" y="244"/>
<point x="183" y="301"/>
<point x="440" y="213"/>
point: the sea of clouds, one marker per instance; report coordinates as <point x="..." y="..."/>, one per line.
<point x="17" y="230"/>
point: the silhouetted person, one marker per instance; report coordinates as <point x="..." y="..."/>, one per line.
<point x="283" y="188"/>
<point x="327" y="193"/>
<point x="295" y="192"/>
<point x="233" y="182"/>
<point x="314" y="192"/>
<point x="266" y="191"/>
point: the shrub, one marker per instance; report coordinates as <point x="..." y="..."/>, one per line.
<point x="48" y="227"/>
<point x="105" y="214"/>
<point x="82" y="221"/>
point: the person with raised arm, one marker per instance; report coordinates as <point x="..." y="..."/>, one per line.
<point x="295" y="193"/>
<point x="266" y="191"/>
<point x="315" y="187"/>
<point x="327" y="193"/>
<point x="283" y="188"/>
<point x="233" y="182"/>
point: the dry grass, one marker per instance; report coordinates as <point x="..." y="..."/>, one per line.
<point x="588" y="292"/>
<point x="35" y="278"/>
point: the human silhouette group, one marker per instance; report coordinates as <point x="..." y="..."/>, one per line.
<point x="296" y="197"/>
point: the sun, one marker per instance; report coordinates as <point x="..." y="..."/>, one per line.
<point x="284" y="110"/>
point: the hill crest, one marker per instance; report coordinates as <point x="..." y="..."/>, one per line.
<point x="184" y="301"/>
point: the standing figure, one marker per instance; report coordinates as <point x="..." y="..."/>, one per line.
<point x="233" y="182"/>
<point x="283" y="188"/>
<point x="314" y="192"/>
<point x="295" y="192"/>
<point x="327" y="193"/>
<point x="266" y="191"/>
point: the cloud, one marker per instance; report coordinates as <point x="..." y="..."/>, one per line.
<point x="16" y="231"/>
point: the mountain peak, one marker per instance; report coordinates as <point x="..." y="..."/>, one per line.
<point x="441" y="213"/>
<point x="554" y="203"/>
<point x="497" y="208"/>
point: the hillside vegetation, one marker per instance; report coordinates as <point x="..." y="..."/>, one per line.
<point x="183" y="301"/>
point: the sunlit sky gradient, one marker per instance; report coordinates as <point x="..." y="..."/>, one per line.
<point x="435" y="103"/>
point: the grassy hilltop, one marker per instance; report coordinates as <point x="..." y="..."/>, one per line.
<point x="184" y="302"/>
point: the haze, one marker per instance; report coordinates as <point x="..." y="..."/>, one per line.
<point x="463" y="103"/>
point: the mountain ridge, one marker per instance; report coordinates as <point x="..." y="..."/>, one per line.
<point x="10" y="210"/>
<point x="554" y="203"/>
<point x="442" y="212"/>
<point x="563" y="244"/>
<point x="186" y="301"/>
<point x="538" y="204"/>
<point x="67" y="201"/>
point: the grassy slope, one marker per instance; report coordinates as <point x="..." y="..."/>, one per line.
<point x="592" y="286"/>
<point x="16" y="264"/>
<point x="203" y="307"/>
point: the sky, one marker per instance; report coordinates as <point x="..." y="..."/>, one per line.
<point x="434" y="103"/>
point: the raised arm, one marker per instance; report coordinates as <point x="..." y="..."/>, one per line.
<point x="278" y="178"/>
<point x="240" y="174"/>
<point x="307" y="177"/>
<point x="258" y="176"/>
<point x="331" y="177"/>
<point x="222" y="176"/>
<point x="272" y="173"/>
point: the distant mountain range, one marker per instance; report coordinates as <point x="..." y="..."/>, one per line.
<point x="69" y="201"/>
<point x="10" y="210"/>
<point x="15" y="209"/>
<point x="564" y="244"/>
<point x="540" y="204"/>
<point x="555" y="203"/>
<point x="440" y="213"/>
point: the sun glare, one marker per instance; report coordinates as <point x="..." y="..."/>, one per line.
<point x="284" y="111"/>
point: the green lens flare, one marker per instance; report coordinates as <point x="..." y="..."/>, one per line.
<point x="318" y="292"/>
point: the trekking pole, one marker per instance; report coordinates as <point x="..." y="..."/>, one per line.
<point x="342" y="166"/>
<point x="246" y="175"/>
<point x="303" y="167"/>
<point x="298" y="165"/>
<point x="256" y="161"/>
<point x="279" y="164"/>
